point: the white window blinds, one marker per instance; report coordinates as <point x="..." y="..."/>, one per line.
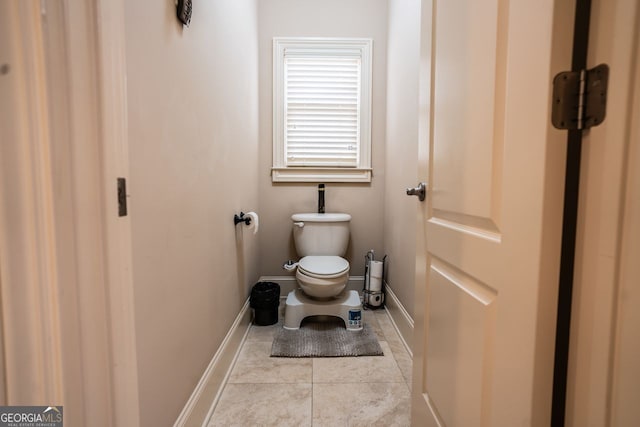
<point x="322" y="109"/>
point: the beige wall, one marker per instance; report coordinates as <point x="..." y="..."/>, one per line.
<point x="402" y="146"/>
<point x="193" y="111"/>
<point x="331" y="18"/>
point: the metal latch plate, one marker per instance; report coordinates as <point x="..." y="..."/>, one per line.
<point x="122" y="197"/>
<point x="580" y="98"/>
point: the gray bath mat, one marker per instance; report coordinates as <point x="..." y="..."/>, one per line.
<point x="325" y="339"/>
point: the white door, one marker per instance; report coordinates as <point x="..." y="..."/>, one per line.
<point x="68" y="335"/>
<point x="490" y="228"/>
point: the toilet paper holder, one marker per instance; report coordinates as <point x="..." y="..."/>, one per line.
<point x="373" y="290"/>
<point x="237" y="219"/>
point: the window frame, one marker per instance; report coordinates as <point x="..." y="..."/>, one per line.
<point x="280" y="172"/>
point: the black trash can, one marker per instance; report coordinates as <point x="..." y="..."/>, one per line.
<point x="265" y="299"/>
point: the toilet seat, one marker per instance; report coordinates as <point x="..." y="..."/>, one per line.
<point x="323" y="267"/>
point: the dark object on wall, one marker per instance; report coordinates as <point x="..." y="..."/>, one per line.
<point x="320" y="198"/>
<point x="122" y="197"/>
<point x="265" y="299"/>
<point x="237" y="219"/>
<point x="183" y="9"/>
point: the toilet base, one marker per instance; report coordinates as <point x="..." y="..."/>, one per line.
<point x="347" y="306"/>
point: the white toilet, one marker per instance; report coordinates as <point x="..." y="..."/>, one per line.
<point x="322" y="273"/>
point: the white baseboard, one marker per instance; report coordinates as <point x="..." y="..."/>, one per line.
<point x="400" y="318"/>
<point x="198" y="409"/>
<point x="288" y="283"/>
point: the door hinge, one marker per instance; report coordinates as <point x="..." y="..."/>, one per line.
<point x="122" y="197"/>
<point x="580" y="98"/>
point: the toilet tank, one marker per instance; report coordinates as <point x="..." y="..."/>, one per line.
<point x="321" y="234"/>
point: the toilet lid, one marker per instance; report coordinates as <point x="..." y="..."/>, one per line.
<point x="323" y="266"/>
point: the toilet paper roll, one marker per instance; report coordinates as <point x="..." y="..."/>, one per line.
<point x="375" y="285"/>
<point x="254" y="221"/>
<point x="376" y="268"/>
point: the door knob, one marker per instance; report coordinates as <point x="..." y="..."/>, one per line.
<point x="420" y="191"/>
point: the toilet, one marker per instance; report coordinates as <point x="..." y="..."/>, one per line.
<point x="322" y="274"/>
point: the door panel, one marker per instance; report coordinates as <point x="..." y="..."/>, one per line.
<point x="460" y="334"/>
<point x="468" y="105"/>
<point x="485" y="310"/>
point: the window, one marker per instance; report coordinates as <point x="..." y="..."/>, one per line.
<point x="322" y="110"/>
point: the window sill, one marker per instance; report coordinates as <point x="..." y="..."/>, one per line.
<point x="316" y="174"/>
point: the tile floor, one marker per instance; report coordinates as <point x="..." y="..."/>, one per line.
<point x="340" y="391"/>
